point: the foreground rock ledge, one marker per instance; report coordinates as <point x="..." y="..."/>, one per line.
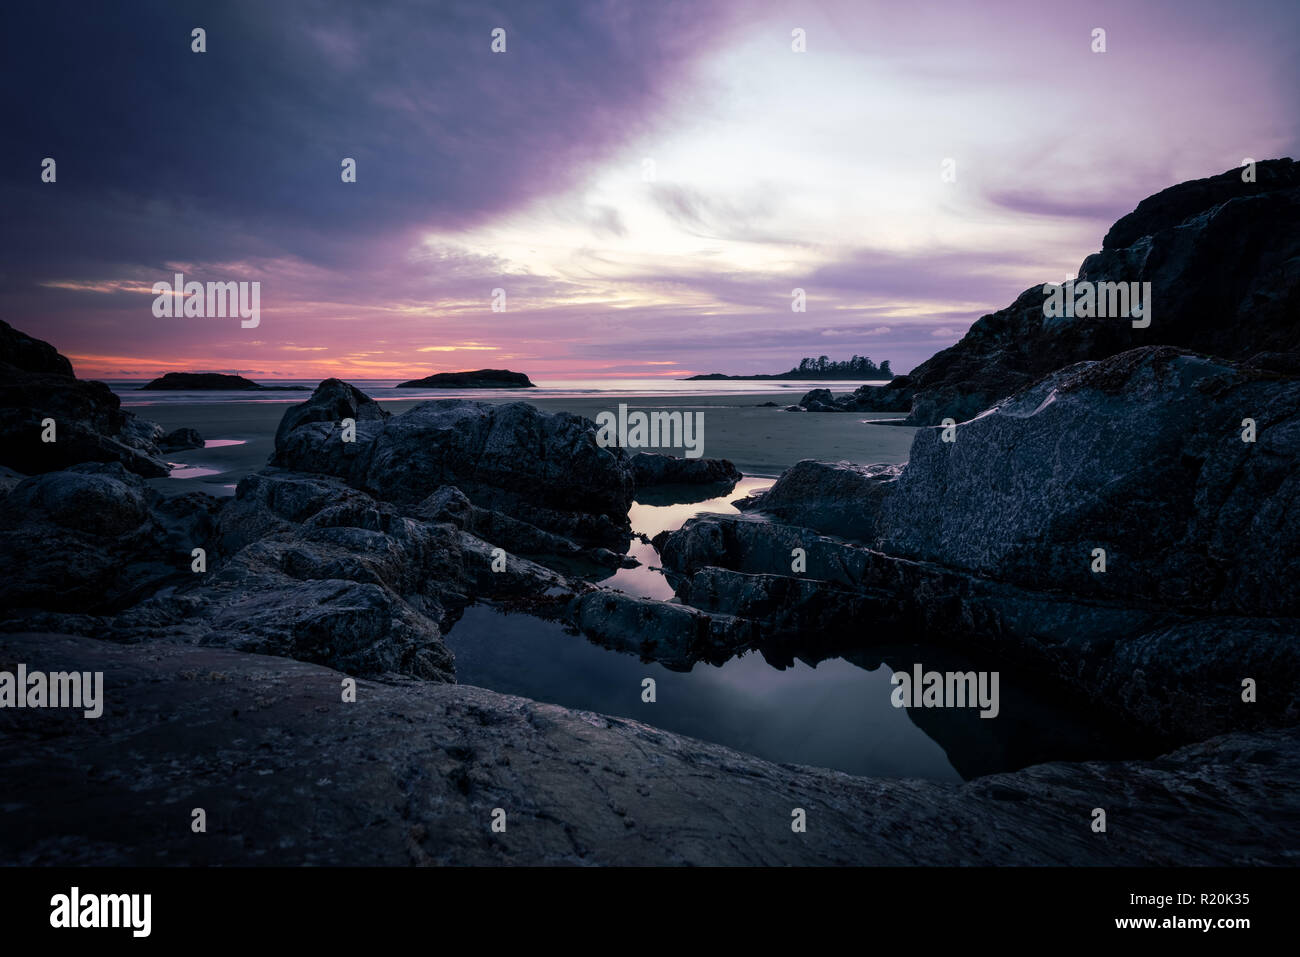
<point x="409" y="774"/>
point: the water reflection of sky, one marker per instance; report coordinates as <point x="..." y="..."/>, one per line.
<point x="836" y="715"/>
<point x="645" y="580"/>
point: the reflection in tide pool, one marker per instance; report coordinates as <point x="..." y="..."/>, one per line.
<point x="649" y="520"/>
<point x="191" y="471"/>
<point x="836" y="715"/>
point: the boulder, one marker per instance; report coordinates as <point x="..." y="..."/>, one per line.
<point x="37" y="385"/>
<point x="838" y="498"/>
<point x="1141" y="455"/>
<point x="178" y="439"/>
<point x="651" y="468"/>
<point x="546" y="469"/>
<point x="91" y="540"/>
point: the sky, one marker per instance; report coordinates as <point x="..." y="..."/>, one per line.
<point x="648" y="182"/>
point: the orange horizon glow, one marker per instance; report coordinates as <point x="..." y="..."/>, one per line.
<point x="93" y="366"/>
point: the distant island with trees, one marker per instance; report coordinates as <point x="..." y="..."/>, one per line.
<point x="859" y="367"/>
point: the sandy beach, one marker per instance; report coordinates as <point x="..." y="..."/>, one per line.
<point x="761" y="441"/>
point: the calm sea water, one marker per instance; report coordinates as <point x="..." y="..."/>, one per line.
<point x="384" y="390"/>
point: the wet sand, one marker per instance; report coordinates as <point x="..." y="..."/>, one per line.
<point x="761" y="441"/>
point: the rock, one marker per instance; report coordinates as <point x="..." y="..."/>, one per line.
<point x="1219" y="255"/>
<point x="542" y="468"/>
<point x="37" y="385"/>
<point x="23" y="352"/>
<point x="989" y="540"/>
<point x="582" y="788"/>
<point x="651" y="468"/>
<point x="309" y="437"/>
<point x="739" y="567"/>
<point x="201" y="381"/>
<point x="673" y="635"/>
<point x="89" y="540"/>
<point x="177" y="439"/>
<point x="479" y="379"/>
<point x="838" y="498"/>
<point x="1142" y="455"/>
<point x="447" y="504"/>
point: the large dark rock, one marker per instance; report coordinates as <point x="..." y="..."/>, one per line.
<point x="23" y="352"/>
<point x="179" y="439"/>
<point x="36" y="385"/>
<point x="1141" y="455"/>
<point x="93" y="539"/>
<point x="1220" y="255"/>
<point x="839" y="498"/>
<point x="652" y="468"/>
<point x="546" y="469"/>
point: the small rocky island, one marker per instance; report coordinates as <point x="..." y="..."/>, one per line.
<point x="478" y="379"/>
<point x="196" y="381"/>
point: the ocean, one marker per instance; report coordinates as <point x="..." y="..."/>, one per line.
<point x="385" y="390"/>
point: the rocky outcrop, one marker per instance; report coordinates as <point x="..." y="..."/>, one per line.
<point x="50" y="420"/>
<point x="478" y="379"/>
<point x="1220" y="255"/>
<point x="178" y="439"/>
<point x="990" y="539"/>
<point x="546" y="469"/>
<point x="840" y="497"/>
<point x="651" y="468"/>
<point x="674" y="635"/>
<point x="306" y="567"/>
<point x="26" y="354"/>
<point x="283" y="767"/>
<point x="92" y="540"/>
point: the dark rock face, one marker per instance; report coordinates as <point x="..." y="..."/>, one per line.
<point x="201" y="381"/>
<point x="577" y="788"/>
<point x="651" y="468"/>
<point x="21" y="351"/>
<point x="1219" y="255"/>
<point x="1141" y="455"/>
<point x="542" y="468"/>
<point x="674" y="635"/>
<point x="989" y="539"/>
<point x="183" y="438"/>
<point x="840" y="498"/>
<point x="89" y="426"/>
<point x="36" y="385"/>
<point x="91" y="540"/>
<point x="478" y="379"/>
